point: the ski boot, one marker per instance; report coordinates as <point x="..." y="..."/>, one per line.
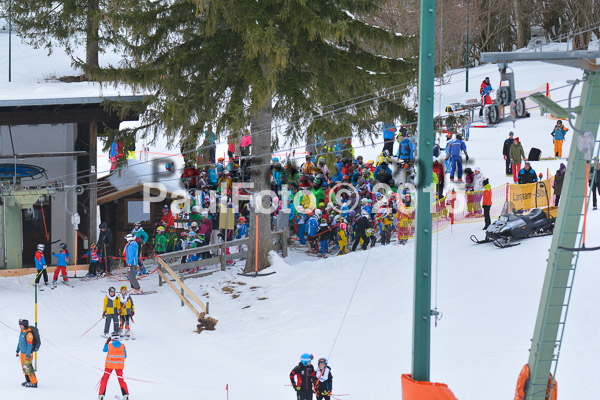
<point x="65" y="283"/>
<point x="101" y="397"/>
<point x="54" y="283"/>
<point x="30" y="385"/>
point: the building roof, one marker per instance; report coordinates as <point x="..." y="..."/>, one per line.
<point x="63" y="110"/>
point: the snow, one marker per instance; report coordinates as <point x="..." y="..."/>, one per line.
<point x="489" y="299"/>
<point x="138" y="172"/>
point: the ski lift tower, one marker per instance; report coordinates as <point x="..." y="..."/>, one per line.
<point x="568" y="238"/>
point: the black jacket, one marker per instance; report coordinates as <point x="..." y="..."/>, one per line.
<point x="304" y="377"/>
<point x="506" y="148"/>
<point x="105" y="239"/>
<point x="558" y="182"/>
<point x="362" y="225"/>
<point x="596" y="179"/>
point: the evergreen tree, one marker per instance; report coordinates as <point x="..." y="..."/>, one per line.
<point x="70" y="23"/>
<point x="239" y="63"/>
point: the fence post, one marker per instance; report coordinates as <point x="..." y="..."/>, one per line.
<point x="284" y="244"/>
<point x="222" y="255"/>
<point x="160" y="282"/>
<point x="183" y="295"/>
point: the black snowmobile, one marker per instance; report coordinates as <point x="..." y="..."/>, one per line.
<point x="517" y="225"/>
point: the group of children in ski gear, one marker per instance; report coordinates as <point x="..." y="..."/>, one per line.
<point x="306" y="380"/>
<point x="118" y="310"/>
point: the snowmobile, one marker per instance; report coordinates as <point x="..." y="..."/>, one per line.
<point x="517" y="225"/>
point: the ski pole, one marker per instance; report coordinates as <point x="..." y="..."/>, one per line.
<point x="38" y="274"/>
<point x="92" y="327"/>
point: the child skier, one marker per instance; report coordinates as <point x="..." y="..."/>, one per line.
<point x="127" y="311"/>
<point x="94" y="258"/>
<point x="26" y="350"/>
<point x="323" y="235"/>
<point x="303" y="377"/>
<point x="241" y="229"/>
<point x="312" y="225"/>
<point x="171" y="237"/>
<point x="111" y="309"/>
<point x="40" y="265"/>
<point x="301" y="224"/>
<point x="63" y="259"/>
<point x="324" y="379"/>
<point x="487" y="202"/>
<point x="160" y="240"/>
<point x="342" y="239"/>
<point x="115" y="359"/>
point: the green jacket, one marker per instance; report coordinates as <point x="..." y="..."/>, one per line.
<point x="516" y="153"/>
<point x="160" y="243"/>
<point x="171" y="241"/>
<point x="319" y="195"/>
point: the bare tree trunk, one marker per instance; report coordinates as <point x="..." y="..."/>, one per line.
<point x="522" y="24"/>
<point x="91" y="31"/>
<point x="261" y="174"/>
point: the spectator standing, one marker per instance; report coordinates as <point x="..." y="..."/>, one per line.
<point x="558" y="183"/>
<point x="506" y="152"/>
<point x="517" y="154"/>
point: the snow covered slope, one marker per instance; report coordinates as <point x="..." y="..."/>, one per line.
<point x="489" y="298"/>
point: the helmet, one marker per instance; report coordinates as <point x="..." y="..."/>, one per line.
<point x="103" y="225"/>
<point x="370" y="162"/>
<point x="130" y="237"/>
<point x="323" y="221"/>
<point x="41" y="247"/>
<point x="364" y="201"/>
<point x="196" y="209"/>
<point x="191" y="234"/>
<point x="194" y="224"/>
<point x="63" y="246"/>
<point x="321" y="205"/>
<point x="123" y="287"/>
<point x="325" y="184"/>
<point x="92" y="246"/>
<point x="165" y="208"/>
<point x="172" y="227"/>
<point x="306" y="359"/>
<point x="318" y="213"/>
<point x="322" y="360"/>
<point x="320" y="176"/>
<point x="294" y="185"/>
<point x="184" y="234"/>
<point x="112" y="289"/>
<point x="364" y="187"/>
<point x="242" y="220"/>
<point x="459" y="136"/>
<point x="309" y="212"/>
<point x="386" y="153"/>
<point x="160" y="229"/>
<point x="24" y="322"/>
<point x="205" y="214"/>
<point x="343" y="226"/>
<point x="137" y="223"/>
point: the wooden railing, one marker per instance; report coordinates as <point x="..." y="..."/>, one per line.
<point x="174" y="258"/>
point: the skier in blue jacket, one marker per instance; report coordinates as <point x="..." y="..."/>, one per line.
<point x="389" y="134"/>
<point x="406" y="150"/>
<point x="312" y="225"/>
<point x="456" y="147"/>
<point x="131" y="259"/>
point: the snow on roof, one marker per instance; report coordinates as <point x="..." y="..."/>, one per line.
<point x="138" y="172"/>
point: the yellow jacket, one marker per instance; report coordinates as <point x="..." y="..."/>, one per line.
<point x="111" y="305"/>
<point x="126" y="303"/>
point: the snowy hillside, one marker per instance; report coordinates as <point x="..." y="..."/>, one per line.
<point x="489" y="299"/>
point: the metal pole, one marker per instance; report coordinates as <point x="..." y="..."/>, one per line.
<point x="36" y="308"/>
<point x="422" y="300"/>
<point x="467" y="63"/>
<point x="9" y="39"/>
<point x="561" y="263"/>
<point x="4" y="240"/>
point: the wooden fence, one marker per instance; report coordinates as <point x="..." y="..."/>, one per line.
<point x="170" y="268"/>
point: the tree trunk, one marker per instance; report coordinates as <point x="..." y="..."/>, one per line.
<point x="261" y="175"/>
<point x="91" y="30"/>
<point x="522" y="24"/>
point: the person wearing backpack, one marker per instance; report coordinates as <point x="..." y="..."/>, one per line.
<point x="29" y="343"/>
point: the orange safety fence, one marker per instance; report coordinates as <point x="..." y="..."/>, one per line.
<point x="415" y="390"/>
<point x="459" y="207"/>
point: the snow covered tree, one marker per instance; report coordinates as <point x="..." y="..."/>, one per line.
<point x="230" y="64"/>
<point x="70" y="23"/>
